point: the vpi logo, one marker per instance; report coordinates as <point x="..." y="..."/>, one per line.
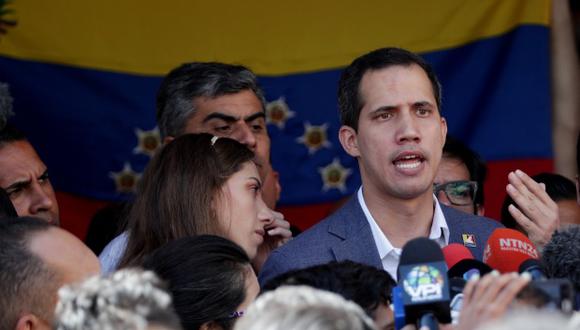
<point x="424" y="283"/>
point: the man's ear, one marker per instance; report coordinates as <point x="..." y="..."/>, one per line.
<point x="30" y="322"/>
<point x="443" y="129"/>
<point x="479" y="210"/>
<point x="168" y="139"/>
<point x="348" y="139"/>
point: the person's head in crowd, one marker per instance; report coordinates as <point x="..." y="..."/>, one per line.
<point x="561" y="256"/>
<point x="35" y="260"/>
<point x="216" y="98"/>
<point x="6" y="207"/>
<point x="367" y="286"/>
<point x="561" y="190"/>
<point x="397" y="136"/>
<point x="197" y="184"/>
<point x="460" y="178"/>
<point x="303" y="308"/>
<point x="24" y="177"/>
<point x="531" y="319"/>
<point x="210" y="278"/>
<point x="129" y="299"/>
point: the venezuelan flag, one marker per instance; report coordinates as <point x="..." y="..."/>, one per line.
<point x="84" y="77"/>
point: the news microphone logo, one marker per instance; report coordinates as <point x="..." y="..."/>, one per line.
<point x="506" y="249"/>
<point x="516" y="245"/>
<point x="423" y="283"/>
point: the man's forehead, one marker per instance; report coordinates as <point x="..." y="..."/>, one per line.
<point x="241" y="104"/>
<point x="411" y="80"/>
<point x="62" y="251"/>
<point x="17" y="159"/>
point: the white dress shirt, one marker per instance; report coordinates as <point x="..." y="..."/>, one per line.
<point x="391" y="255"/>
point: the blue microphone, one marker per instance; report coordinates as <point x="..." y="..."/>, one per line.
<point x="424" y="284"/>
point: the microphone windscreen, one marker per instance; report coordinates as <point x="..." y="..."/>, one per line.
<point x="454" y="253"/>
<point x="507" y="249"/>
<point x="420" y="250"/>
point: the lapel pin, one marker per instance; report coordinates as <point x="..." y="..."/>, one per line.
<point x="469" y="240"/>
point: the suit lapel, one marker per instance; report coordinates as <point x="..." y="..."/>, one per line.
<point x="461" y="233"/>
<point x="357" y="242"/>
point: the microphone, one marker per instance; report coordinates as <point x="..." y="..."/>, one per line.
<point x="461" y="262"/>
<point x="507" y="249"/>
<point x="422" y="275"/>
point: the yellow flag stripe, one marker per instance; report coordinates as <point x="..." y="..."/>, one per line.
<point x="273" y="38"/>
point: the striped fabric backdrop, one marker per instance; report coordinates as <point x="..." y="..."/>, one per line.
<point x="84" y="77"/>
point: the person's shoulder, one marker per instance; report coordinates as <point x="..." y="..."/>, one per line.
<point x="474" y="221"/>
<point x="310" y="248"/>
<point x="112" y="253"/>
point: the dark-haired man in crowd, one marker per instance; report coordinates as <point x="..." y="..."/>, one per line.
<point x="389" y="102"/>
<point x="365" y="285"/>
<point x="24" y="177"/>
<point x="36" y="259"/>
<point x="460" y="178"/>
<point x="224" y="100"/>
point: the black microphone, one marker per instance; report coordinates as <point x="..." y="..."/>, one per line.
<point x="422" y="275"/>
<point x="550" y="293"/>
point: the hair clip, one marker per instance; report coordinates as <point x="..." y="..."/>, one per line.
<point x="236" y="314"/>
<point x="213" y="139"/>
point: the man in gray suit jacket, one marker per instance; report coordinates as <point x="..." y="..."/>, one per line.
<point x="389" y="103"/>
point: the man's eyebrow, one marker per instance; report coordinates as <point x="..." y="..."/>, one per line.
<point x="219" y="115"/>
<point x="383" y="108"/>
<point x="255" y="116"/>
<point x="422" y="104"/>
<point x="18" y="185"/>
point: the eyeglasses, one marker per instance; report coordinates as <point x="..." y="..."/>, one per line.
<point x="459" y="193"/>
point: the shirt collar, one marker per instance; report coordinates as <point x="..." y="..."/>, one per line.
<point x="439" y="229"/>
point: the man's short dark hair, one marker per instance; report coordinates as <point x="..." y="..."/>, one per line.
<point x="11" y="134"/>
<point x="455" y="149"/>
<point x="349" y="98"/>
<point x="24" y="278"/>
<point x="6" y="207"/>
<point x="199" y="79"/>
<point x="365" y="285"/>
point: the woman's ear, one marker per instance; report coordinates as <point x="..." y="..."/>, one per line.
<point x="211" y="325"/>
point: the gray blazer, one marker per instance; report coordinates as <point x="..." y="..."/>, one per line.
<point x="346" y="235"/>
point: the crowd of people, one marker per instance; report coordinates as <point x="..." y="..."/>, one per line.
<point x="204" y="248"/>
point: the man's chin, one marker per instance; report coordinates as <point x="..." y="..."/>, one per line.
<point x="411" y="192"/>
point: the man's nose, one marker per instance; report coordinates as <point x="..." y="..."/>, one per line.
<point x="408" y="130"/>
<point x="244" y="135"/>
<point x="40" y="200"/>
